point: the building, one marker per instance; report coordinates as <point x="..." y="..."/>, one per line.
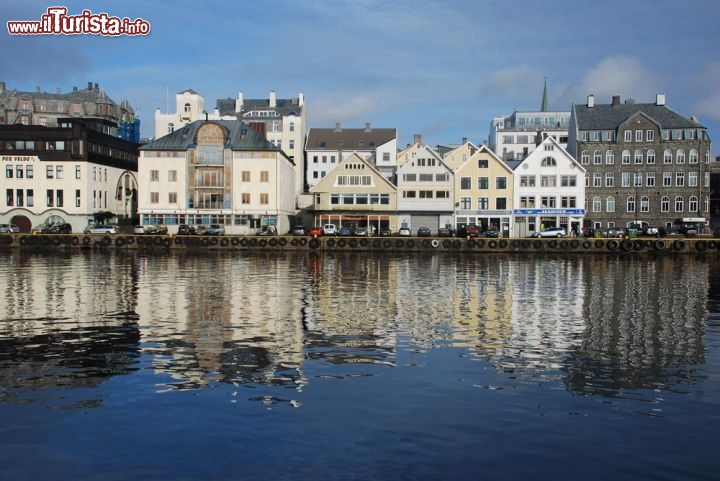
<point x="425" y="188"/>
<point x="355" y="194"/>
<point x="326" y="148"/>
<point x="645" y="163"/>
<point x="284" y="121"/>
<point x="484" y="192"/>
<point x="513" y="137"/>
<point x="216" y="172"/>
<point x="549" y="190"/>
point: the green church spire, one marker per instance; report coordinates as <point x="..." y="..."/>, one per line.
<point x="544" y="106"/>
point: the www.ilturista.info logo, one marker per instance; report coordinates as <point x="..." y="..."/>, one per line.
<point x="57" y="22"/>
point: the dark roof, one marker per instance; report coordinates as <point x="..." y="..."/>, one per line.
<point x="610" y="117"/>
<point x="239" y="136"/>
<point x="282" y="106"/>
<point x="352" y="139"/>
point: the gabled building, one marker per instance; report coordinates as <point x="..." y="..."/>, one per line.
<point x="425" y="189"/>
<point x="326" y="148"/>
<point x="216" y="172"/>
<point x="645" y="163"/>
<point x="549" y="190"/>
<point x="484" y="192"/>
<point x="456" y="156"/>
<point x="355" y="194"/>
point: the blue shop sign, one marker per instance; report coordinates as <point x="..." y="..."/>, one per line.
<point x="549" y="211"/>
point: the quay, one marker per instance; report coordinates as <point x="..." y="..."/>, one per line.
<point x="670" y="244"/>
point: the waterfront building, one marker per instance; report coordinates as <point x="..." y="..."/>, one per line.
<point x="484" y="192"/>
<point x="326" y="148"/>
<point x="355" y="194"/>
<point x="456" y="156"/>
<point x="549" y="190"/>
<point x="425" y="188"/>
<point x="646" y="164"/>
<point x="284" y="121"/>
<point x="216" y="172"/>
<point x="513" y="137"/>
<point x="66" y="159"/>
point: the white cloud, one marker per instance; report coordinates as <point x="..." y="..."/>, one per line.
<point x="511" y="81"/>
<point x="326" y="112"/>
<point x="622" y="75"/>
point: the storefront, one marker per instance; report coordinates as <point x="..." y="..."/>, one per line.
<point x="527" y="221"/>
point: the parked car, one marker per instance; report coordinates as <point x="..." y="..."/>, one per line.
<point x="492" y="233"/>
<point x="551" y="232"/>
<point x="446" y="232"/>
<point x="360" y="231"/>
<point x="688" y="230"/>
<point x="613" y="232"/>
<point x="156" y="229"/>
<point x="315" y="232"/>
<point x="650" y="230"/>
<point x="41" y="229"/>
<point x="9" y="228"/>
<point x="384" y="233"/>
<point x="298" y="230"/>
<point x="201" y="229"/>
<point x="138" y="229"/>
<point x="215" y="229"/>
<point x="330" y="229"/>
<point x="469" y="231"/>
<point x="60" y="228"/>
<point x="404" y="231"/>
<point x="267" y="230"/>
<point x="100" y="229"/>
<point x="186" y="229"/>
<point x="424" y="232"/>
<point x="345" y="230"/>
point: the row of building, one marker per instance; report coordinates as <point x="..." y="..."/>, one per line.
<point x="250" y="163"/>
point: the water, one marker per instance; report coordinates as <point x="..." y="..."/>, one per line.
<point x="130" y="366"/>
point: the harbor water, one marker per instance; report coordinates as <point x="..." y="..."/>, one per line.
<point x="122" y="365"/>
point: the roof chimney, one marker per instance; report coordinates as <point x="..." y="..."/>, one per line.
<point x="660" y="99"/>
<point x="89" y="85"/>
<point x="615" y="100"/>
<point x="367" y="127"/>
<point x="591" y="101"/>
<point x="417" y="139"/>
<point x="239" y="102"/>
<point x="464" y="140"/>
<point x="2" y="86"/>
<point x="337" y="127"/>
<point x="273" y="99"/>
<point x="301" y="99"/>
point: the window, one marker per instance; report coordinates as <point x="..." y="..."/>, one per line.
<point x="568" y="181"/>
<point x="584" y="157"/>
<point x="630" y="207"/>
<point x="625" y="156"/>
<point x="29" y="172"/>
<point x="501" y="203"/>
<point x="49" y="198"/>
<point x="246" y="176"/>
<point x="547" y="202"/>
<point x="667" y="179"/>
<point x="527" y="181"/>
<point x="567" y="202"/>
<point x="609" y="157"/>
<point x="264" y="176"/>
<point x="597" y="157"/>
<point x="483" y="203"/>
<point x="680" y="156"/>
<point x="547" y="181"/>
<point x="291" y="127"/>
<point x="609" y="179"/>
<point x="59" y="171"/>
<point x="154" y="175"/>
<point x="501" y="183"/>
<point x="597" y="204"/>
<point x="291" y="144"/>
<point x="410" y="177"/>
<point x="154" y="197"/>
<point x="483" y="183"/>
<point x="692" y="204"/>
<point x="665" y="204"/>
<point x="465" y="183"/>
<point x="597" y="179"/>
<point x="245" y="198"/>
<point x="693" y="156"/>
<point x="610" y="204"/>
<point x="172" y="197"/>
<point x="49" y="172"/>
<point x="650" y="179"/>
<point x="77" y="197"/>
<point x="59" y="198"/>
<point x="527" y="202"/>
<point x="9" y="171"/>
<point x="386" y="157"/>
<point x="667" y="156"/>
<point x="679" y="204"/>
<point x="172" y="175"/>
<point x="409" y="194"/>
<point x="77" y="171"/>
<point x="650" y="156"/>
<point x="353" y="180"/>
<point x="625" y="179"/>
<point x="425" y="177"/>
<point x="264" y="199"/>
<point x="19" y="172"/>
<point x="650" y="135"/>
<point x="549" y="162"/>
<point x="465" y="203"/>
<point x="628" y="136"/>
<point x="9" y="198"/>
<point x="638" y="135"/>
<point x="186" y="108"/>
<point x="679" y="179"/>
<point x="638" y="157"/>
<point x="692" y="179"/>
<point x="483" y="163"/>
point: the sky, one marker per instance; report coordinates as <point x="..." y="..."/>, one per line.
<point x="439" y="68"/>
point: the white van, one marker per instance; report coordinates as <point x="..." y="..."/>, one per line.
<point x="330" y="229"/>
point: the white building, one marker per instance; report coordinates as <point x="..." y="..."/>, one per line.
<point x="549" y="190"/>
<point x="425" y="189"/>
<point x="326" y="148"/>
<point x="513" y="137"/>
<point x="216" y="172"/>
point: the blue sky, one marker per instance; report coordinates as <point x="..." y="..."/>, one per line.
<point x="439" y="68"/>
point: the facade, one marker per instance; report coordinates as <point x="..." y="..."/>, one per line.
<point x="457" y="156"/>
<point x="425" y="189"/>
<point x="73" y="173"/>
<point x="549" y="190"/>
<point x="327" y="148"/>
<point x="283" y="121"/>
<point x="216" y="172"/>
<point x="645" y="163"/>
<point x="484" y="192"/>
<point x="513" y="137"/>
<point x="355" y="194"/>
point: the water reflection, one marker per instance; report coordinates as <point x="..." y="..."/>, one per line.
<point x="599" y="325"/>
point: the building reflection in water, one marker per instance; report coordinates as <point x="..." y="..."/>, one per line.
<point x="598" y="324"/>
